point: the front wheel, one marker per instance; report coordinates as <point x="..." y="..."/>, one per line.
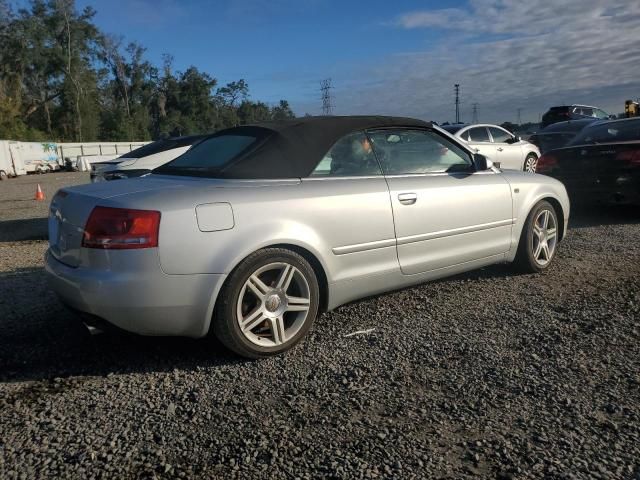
<point x="268" y="303"/>
<point x="539" y="239"/>
<point x="530" y="163"/>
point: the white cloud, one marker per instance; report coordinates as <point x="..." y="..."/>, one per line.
<point x="507" y="54"/>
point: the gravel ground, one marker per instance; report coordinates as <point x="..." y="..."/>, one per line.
<point x="489" y="374"/>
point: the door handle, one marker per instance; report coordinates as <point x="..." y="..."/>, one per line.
<point x="499" y="149"/>
<point x="407" y="198"/>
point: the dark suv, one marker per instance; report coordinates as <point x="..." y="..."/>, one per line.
<point x="572" y="112"/>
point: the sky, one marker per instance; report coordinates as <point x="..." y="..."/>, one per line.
<point x="399" y="57"/>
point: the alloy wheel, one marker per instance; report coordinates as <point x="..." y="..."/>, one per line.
<point x="531" y="164"/>
<point x="273" y="304"/>
<point x="545" y="237"/>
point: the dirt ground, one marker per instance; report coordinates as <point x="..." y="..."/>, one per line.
<point x="490" y="374"/>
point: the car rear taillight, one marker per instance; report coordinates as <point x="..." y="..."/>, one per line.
<point x="630" y="157"/>
<point x="121" y="228"/>
<point x="546" y="163"/>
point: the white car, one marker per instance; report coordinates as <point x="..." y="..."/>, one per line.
<point x="497" y="144"/>
<point x="142" y="160"/>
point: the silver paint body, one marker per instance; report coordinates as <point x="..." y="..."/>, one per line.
<point x="368" y="234"/>
<point x="510" y="156"/>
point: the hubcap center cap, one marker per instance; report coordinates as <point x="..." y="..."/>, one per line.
<point x="273" y="303"/>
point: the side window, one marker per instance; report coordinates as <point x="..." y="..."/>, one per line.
<point x="600" y="114"/>
<point x="587" y="111"/>
<point x="417" y="151"/>
<point x="499" y="135"/>
<point x="478" y="134"/>
<point x="350" y="156"/>
<point x="465" y="136"/>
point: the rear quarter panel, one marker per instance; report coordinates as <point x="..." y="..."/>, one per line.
<point x="316" y="215"/>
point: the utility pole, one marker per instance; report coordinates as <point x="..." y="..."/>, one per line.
<point x="325" y="89"/>
<point x="475" y="113"/>
<point x="519" y="116"/>
<point x="457" y="90"/>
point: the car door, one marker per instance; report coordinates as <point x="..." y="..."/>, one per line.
<point x="445" y="212"/>
<point x="508" y="150"/>
<point x="480" y="142"/>
<point x="347" y="199"/>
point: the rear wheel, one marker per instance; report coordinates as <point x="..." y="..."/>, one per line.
<point x="268" y="303"/>
<point x="539" y="239"/>
<point x="530" y="163"/>
<point x="3" y="175"/>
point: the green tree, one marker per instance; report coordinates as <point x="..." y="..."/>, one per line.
<point x="282" y="111"/>
<point x="63" y="79"/>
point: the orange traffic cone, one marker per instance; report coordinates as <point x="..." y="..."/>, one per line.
<point x="39" y="194"/>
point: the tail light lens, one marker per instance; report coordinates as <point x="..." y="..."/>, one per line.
<point x="121" y="228"/>
<point x="630" y="157"/>
<point x="546" y="163"/>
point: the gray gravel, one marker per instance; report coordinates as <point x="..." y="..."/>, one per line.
<point x="489" y="374"/>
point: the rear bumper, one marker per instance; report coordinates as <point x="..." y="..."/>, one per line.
<point x="147" y="302"/>
<point x="625" y="190"/>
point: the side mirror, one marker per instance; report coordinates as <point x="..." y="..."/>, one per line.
<point x="482" y="163"/>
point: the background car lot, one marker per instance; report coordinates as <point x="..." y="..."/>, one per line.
<point x="488" y="374"/>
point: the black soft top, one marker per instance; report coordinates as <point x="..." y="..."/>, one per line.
<point x="293" y="148"/>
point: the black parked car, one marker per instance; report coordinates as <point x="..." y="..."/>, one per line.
<point x="601" y="164"/>
<point x="572" y="112"/>
<point x="559" y="134"/>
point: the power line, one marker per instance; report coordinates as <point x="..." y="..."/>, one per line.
<point x="475" y="113"/>
<point x="325" y="89"/>
<point x="457" y="90"/>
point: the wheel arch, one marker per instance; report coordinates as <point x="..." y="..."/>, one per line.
<point x="305" y="253"/>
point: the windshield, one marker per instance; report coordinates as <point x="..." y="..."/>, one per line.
<point x="210" y="155"/>
<point x="624" y="131"/>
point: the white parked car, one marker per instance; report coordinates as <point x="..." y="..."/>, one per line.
<point x="142" y="160"/>
<point x="503" y="148"/>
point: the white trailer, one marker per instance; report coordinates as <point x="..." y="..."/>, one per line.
<point x="71" y="153"/>
<point x="20" y="158"/>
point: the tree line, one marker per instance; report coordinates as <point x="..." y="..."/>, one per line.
<point x="63" y="79"/>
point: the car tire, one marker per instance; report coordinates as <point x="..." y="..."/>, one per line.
<point x="530" y="163"/>
<point x="538" y="240"/>
<point x="3" y="175"/>
<point x="267" y="304"/>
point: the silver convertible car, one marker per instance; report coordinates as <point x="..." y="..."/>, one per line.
<point x="256" y="229"/>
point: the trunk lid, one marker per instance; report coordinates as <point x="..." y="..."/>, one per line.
<point x="70" y="208"/>
<point x="68" y="214"/>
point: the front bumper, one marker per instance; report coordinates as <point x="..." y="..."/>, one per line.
<point x="143" y="301"/>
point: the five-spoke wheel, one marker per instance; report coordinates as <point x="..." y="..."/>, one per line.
<point x="545" y="236"/>
<point x="539" y="239"/>
<point x="273" y="304"/>
<point x="268" y="304"/>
